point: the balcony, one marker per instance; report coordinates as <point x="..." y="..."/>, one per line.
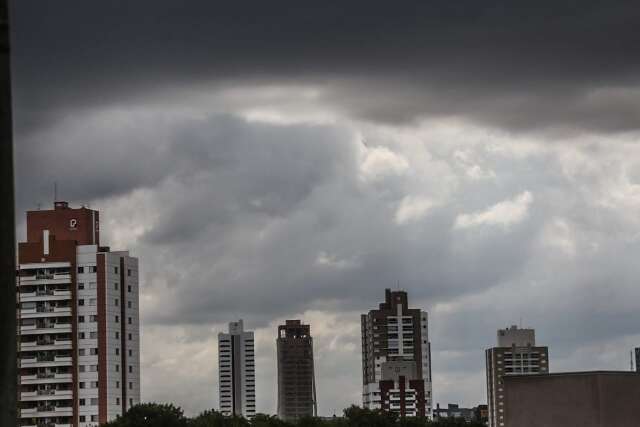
<point x="42" y="312"/>
<point x="43" y="345"/>
<point x="45" y="278"/>
<point x="46" y="411"/>
<point x="46" y="424"/>
<point x="46" y="378"/>
<point x="45" y="361"/>
<point x="46" y="328"/>
<point x="40" y="395"/>
<point x="48" y="295"/>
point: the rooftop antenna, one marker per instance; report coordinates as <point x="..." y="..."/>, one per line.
<point x="631" y="359"/>
<point x="55" y="191"/>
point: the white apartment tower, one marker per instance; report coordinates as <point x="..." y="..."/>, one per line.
<point x="516" y="354"/>
<point x="236" y="371"/>
<point x="78" y="335"/>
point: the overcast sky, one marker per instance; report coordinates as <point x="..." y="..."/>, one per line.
<point x="283" y="160"/>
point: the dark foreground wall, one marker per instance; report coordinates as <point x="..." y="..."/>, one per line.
<point x="577" y="399"/>
<point x="8" y="375"/>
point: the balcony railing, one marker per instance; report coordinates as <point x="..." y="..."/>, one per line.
<point x="44" y="293"/>
<point x="43" y="375"/>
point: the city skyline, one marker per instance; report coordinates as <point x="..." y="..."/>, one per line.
<point x="279" y="162"/>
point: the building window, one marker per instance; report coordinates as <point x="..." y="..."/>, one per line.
<point x="80" y="302"/>
<point x="130" y="386"/>
<point x="81" y="335"/>
<point x="80" y="286"/>
<point x="80" y="269"/>
<point x="130" y="353"/>
<point x="115" y="286"/>
<point x="116" y="302"/>
<point x="93" y="269"/>
<point x="93" y="318"/>
<point x="92" y="301"/>
<point x="128" y="272"/>
<point x="80" y="319"/>
<point x="130" y="369"/>
<point x="117" y="368"/>
<point x="81" y="352"/>
<point x="93" y="351"/>
<point x="117" y="352"/>
<point x="129" y="320"/>
<point x="129" y="304"/>
<point x="130" y="402"/>
<point x="81" y="369"/>
<point x="94" y="418"/>
<point x="82" y="417"/>
<point x="81" y="385"/>
<point x="117" y="384"/>
<point x="115" y="270"/>
<point x="117" y="319"/>
<point x="129" y="288"/>
<point x="117" y="335"/>
<point x="130" y="337"/>
<point x="117" y="401"/>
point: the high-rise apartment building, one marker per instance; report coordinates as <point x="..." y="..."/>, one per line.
<point x="637" y="353"/>
<point x="296" y="373"/>
<point x="396" y="358"/>
<point x="236" y="371"/>
<point x="516" y="354"/>
<point x="78" y="335"/>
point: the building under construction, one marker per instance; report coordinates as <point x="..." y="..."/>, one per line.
<point x="296" y="376"/>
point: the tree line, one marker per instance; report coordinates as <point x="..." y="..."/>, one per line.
<point x="168" y="415"/>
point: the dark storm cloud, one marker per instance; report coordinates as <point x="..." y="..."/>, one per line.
<point x="518" y="64"/>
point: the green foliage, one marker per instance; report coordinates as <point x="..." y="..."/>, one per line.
<point x="216" y="419"/>
<point x="151" y="415"/>
<point x="167" y="415"/>
<point x="264" y="420"/>
<point x="360" y="417"/>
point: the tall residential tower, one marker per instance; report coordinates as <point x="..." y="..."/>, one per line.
<point x="236" y="371"/>
<point x="296" y="375"/>
<point x="516" y="354"/>
<point x="79" y="346"/>
<point x="396" y="358"/>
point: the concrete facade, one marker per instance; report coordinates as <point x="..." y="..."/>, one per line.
<point x="576" y="399"/>
<point x="296" y="371"/>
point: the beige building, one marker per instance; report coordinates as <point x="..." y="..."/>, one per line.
<point x="575" y="399"/>
<point x="516" y="354"/>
